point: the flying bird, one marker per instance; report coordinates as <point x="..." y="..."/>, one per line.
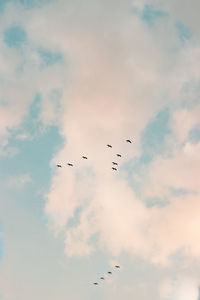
<point x="69" y="164"/>
<point x="59" y="166"/>
<point x="102" y="278"/>
<point x="109" y="272"/>
<point x="84" y="157"/>
<point x="119" y="155"/>
<point x="114" y="163"/>
<point x="117" y="267"/>
<point x="128" y="141"/>
<point x="110" y="146"/>
<point x="95" y="283"/>
<point x="115" y="169"/>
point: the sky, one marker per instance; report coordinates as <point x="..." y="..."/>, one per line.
<point x="74" y="77"/>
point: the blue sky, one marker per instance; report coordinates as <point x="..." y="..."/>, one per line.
<point x="73" y="78"/>
<point x="150" y="14"/>
<point x="15" y="36"/>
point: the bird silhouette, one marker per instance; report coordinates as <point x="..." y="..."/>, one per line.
<point x="117" y="267"/>
<point x="102" y="278"/>
<point x="114" y="169"/>
<point x="128" y="141"/>
<point x="119" y="155"/>
<point x="110" y="146"/>
<point x="114" y="163"/>
<point x="109" y="272"/>
<point x="59" y="166"/>
<point x="95" y="283"/>
<point x="84" y="157"/>
<point x="69" y="164"/>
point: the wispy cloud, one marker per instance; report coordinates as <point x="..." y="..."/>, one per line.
<point x="18" y="181"/>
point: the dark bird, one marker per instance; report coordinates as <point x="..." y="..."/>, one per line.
<point x="128" y="141"/>
<point x="95" y="283"/>
<point x="117" y="267"/>
<point x="59" y="166"/>
<point x="102" y="278"/>
<point x="71" y="165"/>
<point x="114" y="163"/>
<point x="109" y="272"/>
<point x="84" y="157"/>
<point x="114" y="169"/>
<point x="119" y="155"/>
<point x="110" y="146"/>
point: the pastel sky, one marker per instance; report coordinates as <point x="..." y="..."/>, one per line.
<point x="75" y="76"/>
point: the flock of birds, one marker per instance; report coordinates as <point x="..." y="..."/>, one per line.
<point x="115" y="164"/>
<point x="114" y="168"/>
<point x="109" y="272"/>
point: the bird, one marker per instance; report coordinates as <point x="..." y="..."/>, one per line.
<point x="119" y="155"/>
<point x="117" y="267"/>
<point x="114" y="163"/>
<point x="84" y="157"/>
<point x="59" y="166"/>
<point x="109" y="272"/>
<point x="114" y="169"/>
<point x="69" y="164"/>
<point x="95" y="283"/>
<point x="128" y="141"/>
<point x="102" y="278"/>
<point x="110" y="146"/>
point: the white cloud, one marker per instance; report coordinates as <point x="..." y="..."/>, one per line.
<point x="116" y="87"/>
<point x="117" y="74"/>
<point x="183" y="121"/>
<point x="22" y="136"/>
<point x="182" y="288"/>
